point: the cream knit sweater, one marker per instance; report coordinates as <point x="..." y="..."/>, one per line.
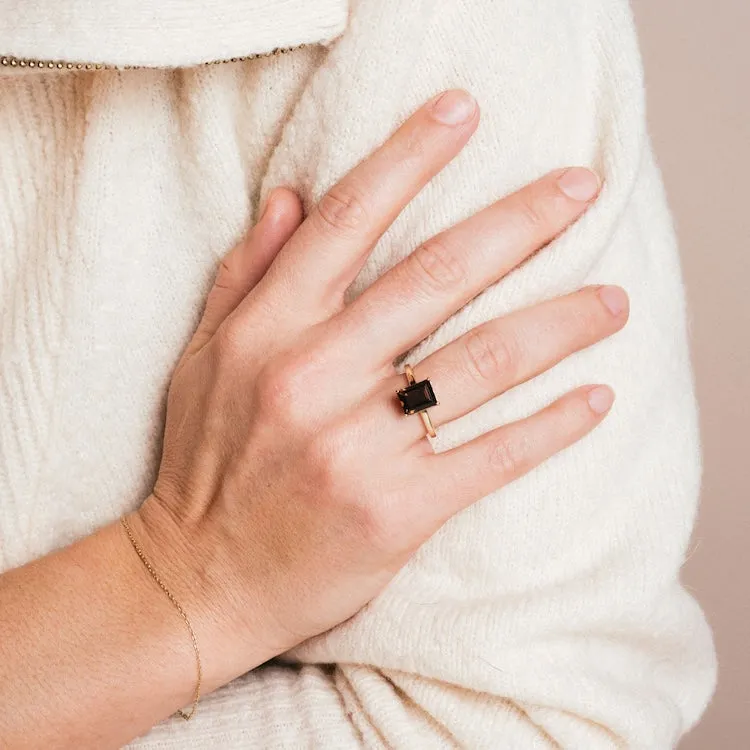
<point x="550" y="614"/>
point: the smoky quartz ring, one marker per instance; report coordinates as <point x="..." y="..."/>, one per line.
<point x="417" y="397"/>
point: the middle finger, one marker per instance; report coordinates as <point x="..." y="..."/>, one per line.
<point x="439" y="277"/>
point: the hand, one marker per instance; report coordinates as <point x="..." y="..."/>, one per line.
<point x="292" y="486"/>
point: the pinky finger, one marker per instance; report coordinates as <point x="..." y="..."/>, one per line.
<point x="475" y="469"/>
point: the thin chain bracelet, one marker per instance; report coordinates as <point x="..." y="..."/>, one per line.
<point x="187" y="715"/>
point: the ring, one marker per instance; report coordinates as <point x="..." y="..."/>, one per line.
<point x="417" y="397"/>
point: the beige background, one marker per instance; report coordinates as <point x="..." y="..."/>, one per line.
<point x="697" y="59"/>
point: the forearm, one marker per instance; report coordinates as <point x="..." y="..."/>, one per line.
<point x="92" y="653"/>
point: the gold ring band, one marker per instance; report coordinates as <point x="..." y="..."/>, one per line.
<point x="417" y="397"/>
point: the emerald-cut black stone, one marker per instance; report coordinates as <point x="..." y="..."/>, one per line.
<point x="417" y="397"/>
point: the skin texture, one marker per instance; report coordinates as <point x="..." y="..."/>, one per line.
<point x="292" y="487"/>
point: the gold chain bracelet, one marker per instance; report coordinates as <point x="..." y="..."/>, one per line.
<point x="187" y="715"/>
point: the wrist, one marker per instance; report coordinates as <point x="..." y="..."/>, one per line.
<point x="228" y="623"/>
<point x="155" y="629"/>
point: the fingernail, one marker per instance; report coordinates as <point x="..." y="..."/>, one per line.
<point x="453" y="107"/>
<point x="614" y="299"/>
<point x="578" y="183"/>
<point x="601" y="399"/>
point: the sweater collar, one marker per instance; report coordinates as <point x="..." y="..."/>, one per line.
<point x="167" y="33"/>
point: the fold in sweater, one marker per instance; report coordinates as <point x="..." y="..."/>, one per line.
<point x="548" y="615"/>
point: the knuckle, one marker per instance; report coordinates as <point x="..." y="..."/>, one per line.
<point x="506" y="457"/>
<point x="530" y="212"/>
<point x="436" y="267"/>
<point x="411" y="147"/>
<point x="570" y="417"/>
<point x="334" y="466"/>
<point x="226" y="274"/>
<point x="335" y="472"/>
<point x="325" y="461"/>
<point x="490" y="356"/>
<point x="279" y="390"/>
<point x="541" y="211"/>
<point x="342" y="210"/>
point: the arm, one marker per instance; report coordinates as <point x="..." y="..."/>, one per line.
<point x="83" y="632"/>
<point x="92" y="654"/>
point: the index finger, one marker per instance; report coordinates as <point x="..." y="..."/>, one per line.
<point x="325" y="254"/>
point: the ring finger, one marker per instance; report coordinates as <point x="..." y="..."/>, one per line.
<point x="504" y="352"/>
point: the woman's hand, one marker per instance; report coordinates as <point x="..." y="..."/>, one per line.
<point x="292" y="486"/>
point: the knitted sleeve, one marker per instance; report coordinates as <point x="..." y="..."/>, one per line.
<point x="550" y="614"/>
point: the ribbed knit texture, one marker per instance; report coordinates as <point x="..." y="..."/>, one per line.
<point x="548" y="615"/>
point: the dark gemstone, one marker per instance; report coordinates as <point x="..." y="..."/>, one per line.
<point x="417" y="397"/>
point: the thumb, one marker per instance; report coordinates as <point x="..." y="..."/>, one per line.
<point x="246" y="264"/>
